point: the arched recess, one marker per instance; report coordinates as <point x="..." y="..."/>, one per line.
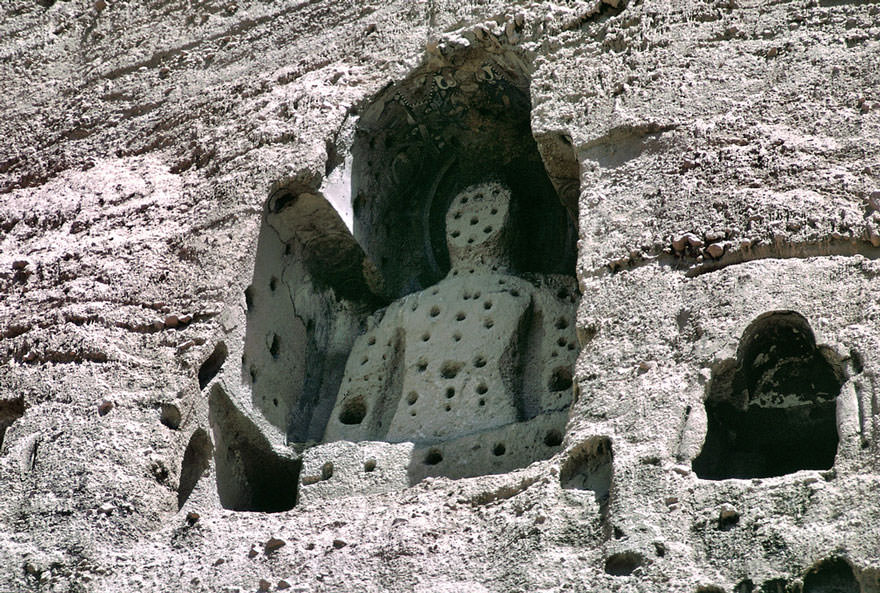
<point x="458" y="120"/>
<point x="833" y="575"/>
<point x="772" y="411"/>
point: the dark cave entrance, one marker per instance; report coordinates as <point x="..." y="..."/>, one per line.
<point x="773" y="411"/>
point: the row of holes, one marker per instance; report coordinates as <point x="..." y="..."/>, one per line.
<point x="553" y="438"/>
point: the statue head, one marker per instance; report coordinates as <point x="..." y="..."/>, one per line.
<point x="477" y="226"/>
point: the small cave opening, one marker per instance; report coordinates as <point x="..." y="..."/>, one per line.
<point x="212" y="365"/>
<point x="833" y="575"/>
<point x="622" y="564"/>
<point x="196" y="460"/>
<point x="773" y="410"/>
<point x="589" y="466"/>
<point x="251" y="475"/>
<point x="10" y="411"/>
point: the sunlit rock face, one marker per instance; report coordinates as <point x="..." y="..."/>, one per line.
<point x="208" y="210"/>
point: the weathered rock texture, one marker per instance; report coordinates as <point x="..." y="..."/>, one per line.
<point x="201" y="204"/>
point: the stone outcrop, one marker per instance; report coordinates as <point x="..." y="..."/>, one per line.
<point x="208" y="209"/>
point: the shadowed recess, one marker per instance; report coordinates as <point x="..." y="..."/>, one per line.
<point x="440" y="130"/>
<point x="623" y="564"/>
<point x="196" y="460"/>
<point x="251" y="476"/>
<point x="773" y="410"/>
<point x="589" y="467"/>
<point x="834" y="575"/>
<point x="212" y="364"/>
<point x="10" y="411"/>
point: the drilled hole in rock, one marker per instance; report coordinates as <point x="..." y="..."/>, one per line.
<point x="456" y="337"/>
<point x="433" y="457"/>
<point x="10" y="411"/>
<point x="412" y="397"/>
<point x="209" y="369"/>
<point x="435" y="311"/>
<point x="623" y="563"/>
<point x="560" y="379"/>
<point x="480" y="361"/>
<point x="489" y="324"/>
<point x="482" y="388"/>
<point x="369" y="465"/>
<point x="450" y="369"/>
<point x="447" y="407"/>
<point x="426" y="336"/>
<point x="460" y="316"/>
<point x="562" y="341"/>
<point x="275" y="346"/>
<point x="249" y="298"/>
<point x="589" y="466"/>
<point x="474" y="221"/>
<point x="273" y="283"/>
<point x="561" y="323"/>
<point x="494" y="211"/>
<point x="514" y="292"/>
<point x="487" y="230"/>
<point x="275" y="401"/>
<point x="327" y="470"/>
<point x="482" y="402"/>
<point x="455" y="234"/>
<point x="470" y="242"/>
<point x="773" y="410"/>
<point x="421" y="365"/>
<point x="253" y="374"/>
<point x="364" y="360"/>
<point x="371" y="341"/>
<point x="553" y="438"/>
<point x="834" y="575"/>
<point x="499" y="449"/>
<point x="353" y="411"/>
<point x="487" y="305"/>
<point x="450" y="393"/>
<point x="196" y="460"/>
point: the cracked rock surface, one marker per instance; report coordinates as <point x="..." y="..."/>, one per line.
<point x="721" y="160"/>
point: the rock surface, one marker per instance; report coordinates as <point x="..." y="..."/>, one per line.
<point x="721" y="158"/>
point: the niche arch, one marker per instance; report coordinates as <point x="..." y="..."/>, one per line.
<point x="459" y="128"/>
<point x="773" y="410"/>
<point x="458" y="120"/>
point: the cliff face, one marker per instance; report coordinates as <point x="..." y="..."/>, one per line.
<point x="203" y="205"/>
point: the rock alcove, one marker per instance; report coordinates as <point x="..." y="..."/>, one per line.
<point x="475" y="244"/>
<point x="457" y="124"/>
<point x="772" y="411"/>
